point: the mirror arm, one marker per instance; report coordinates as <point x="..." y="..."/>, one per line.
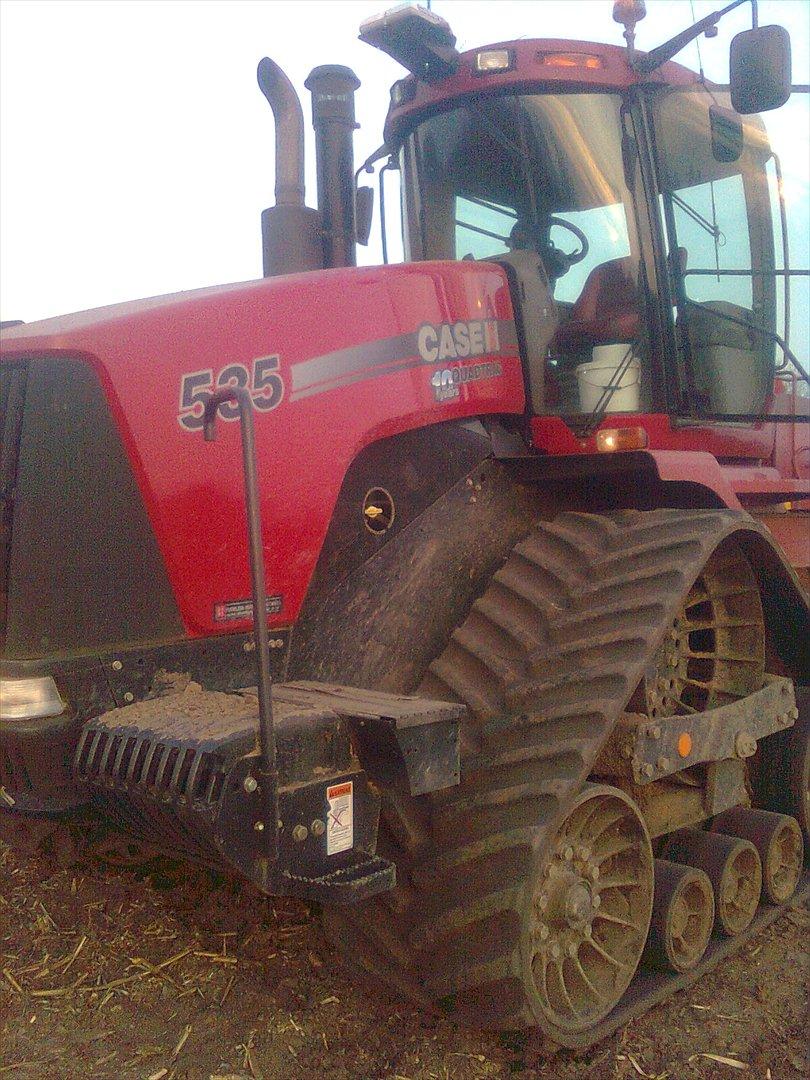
<point x="653" y="60"/>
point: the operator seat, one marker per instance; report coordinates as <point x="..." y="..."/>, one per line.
<point x="605" y="311"/>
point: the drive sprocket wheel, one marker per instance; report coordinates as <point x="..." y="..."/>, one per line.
<point x="714" y="652"/>
<point x="591" y="909"/>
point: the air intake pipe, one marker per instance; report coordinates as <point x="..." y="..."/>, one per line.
<point x="292" y="233"/>
<point x="333" y="88"/>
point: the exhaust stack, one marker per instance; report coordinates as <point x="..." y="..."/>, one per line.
<point x="292" y="233"/>
<point x="333" y="87"/>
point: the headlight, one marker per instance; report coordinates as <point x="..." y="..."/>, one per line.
<point x="29" y="699"/>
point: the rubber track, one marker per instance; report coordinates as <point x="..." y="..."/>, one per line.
<point x="546" y="661"/>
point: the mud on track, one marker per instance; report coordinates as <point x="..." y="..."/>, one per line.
<point x="178" y="976"/>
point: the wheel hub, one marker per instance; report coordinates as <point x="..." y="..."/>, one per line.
<point x="591" y="910"/>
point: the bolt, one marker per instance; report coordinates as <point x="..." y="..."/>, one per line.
<point x="596" y="902"/>
<point x="258" y="826"/>
<point x="568" y="854"/>
<point x="128" y="696"/>
<point x="654" y="731"/>
<point x="673" y="661"/>
<point x="250" y="783"/>
<point x="300" y="833"/>
<point x="317" y="828"/>
<point x="647" y="769"/>
<point x="593" y="873"/>
<point x="663" y="763"/>
<point x="249" y="646"/>
<point x="794" y="714"/>
<point x="117" y="665"/>
<point x="745" y="745"/>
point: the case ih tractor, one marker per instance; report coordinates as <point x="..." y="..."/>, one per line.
<point x="522" y="518"/>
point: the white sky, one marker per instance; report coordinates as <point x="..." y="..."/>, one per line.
<point x="136" y="150"/>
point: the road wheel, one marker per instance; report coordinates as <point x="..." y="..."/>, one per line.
<point x="591" y="909"/>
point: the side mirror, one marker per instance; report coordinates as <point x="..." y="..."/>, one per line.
<point x="760" y="69"/>
<point x="363" y="211"/>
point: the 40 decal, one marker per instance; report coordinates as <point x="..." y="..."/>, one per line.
<point x="264" y="382"/>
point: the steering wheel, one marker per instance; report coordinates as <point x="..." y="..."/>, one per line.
<point x="562" y="261"/>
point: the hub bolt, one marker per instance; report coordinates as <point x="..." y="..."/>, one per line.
<point x="300" y="833"/>
<point x="250" y="783"/>
<point x="117" y="665"/>
<point x="745" y="745"/>
<point x="317" y="828"/>
<point x="258" y="826"/>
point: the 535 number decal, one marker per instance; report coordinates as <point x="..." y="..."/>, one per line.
<point x="264" y="382"/>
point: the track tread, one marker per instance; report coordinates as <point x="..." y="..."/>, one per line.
<point x="546" y="663"/>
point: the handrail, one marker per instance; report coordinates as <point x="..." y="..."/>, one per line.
<point x="267" y="738"/>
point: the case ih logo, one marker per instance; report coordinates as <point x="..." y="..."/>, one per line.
<point x="454" y="341"/>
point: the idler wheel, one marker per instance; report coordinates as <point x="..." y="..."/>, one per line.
<point x="733" y="867"/>
<point x="591" y="909"/>
<point x="682" y="918"/>
<point x="777" y="838"/>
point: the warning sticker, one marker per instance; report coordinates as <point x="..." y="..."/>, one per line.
<point x="242" y="610"/>
<point x="340" y="818"/>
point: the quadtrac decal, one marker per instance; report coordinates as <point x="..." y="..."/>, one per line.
<point x="263" y="380"/>
<point x="432" y="344"/>
<point x="456" y="341"/>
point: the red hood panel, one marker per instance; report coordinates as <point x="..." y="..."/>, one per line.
<point x="335" y="360"/>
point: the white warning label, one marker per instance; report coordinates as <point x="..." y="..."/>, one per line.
<point x="340" y="818"/>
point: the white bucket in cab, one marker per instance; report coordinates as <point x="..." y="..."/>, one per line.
<point x="595" y="377"/>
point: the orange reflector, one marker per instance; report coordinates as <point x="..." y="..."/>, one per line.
<point x="684" y="744"/>
<point x="571" y="60"/>
<point x="621" y="438"/>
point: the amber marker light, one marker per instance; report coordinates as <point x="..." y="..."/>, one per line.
<point x="572" y="60"/>
<point x="609" y="440"/>
<point x="684" y="744"/>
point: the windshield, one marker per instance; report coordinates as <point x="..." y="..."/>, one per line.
<point x="543" y="173"/>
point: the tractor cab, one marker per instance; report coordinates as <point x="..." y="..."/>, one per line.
<point x="640" y="218"/>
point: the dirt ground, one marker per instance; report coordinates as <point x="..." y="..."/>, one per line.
<point x="178" y="976"/>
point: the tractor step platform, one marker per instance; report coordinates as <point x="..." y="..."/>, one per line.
<point x="185" y="771"/>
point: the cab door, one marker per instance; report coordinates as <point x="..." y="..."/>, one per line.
<point x="720" y="199"/>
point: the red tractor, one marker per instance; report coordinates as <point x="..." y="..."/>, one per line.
<point x="526" y="706"/>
